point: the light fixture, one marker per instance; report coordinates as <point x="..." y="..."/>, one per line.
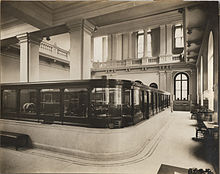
<point x="189" y="31"/>
<point x="48" y="38"/>
<point x="95" y="29"/>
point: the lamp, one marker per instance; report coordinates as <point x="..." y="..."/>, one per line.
<point x="95" y="29"/>
<point x="48" y="38"/>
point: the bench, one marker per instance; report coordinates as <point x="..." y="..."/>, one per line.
<point x="12" y="138"/>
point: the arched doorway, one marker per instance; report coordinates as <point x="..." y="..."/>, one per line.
<point x="181" y="86"/>
<point x="210" y="72"/>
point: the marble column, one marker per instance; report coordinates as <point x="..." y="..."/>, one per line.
<point x="29" y="57"/>
<point x="80" y="49"/>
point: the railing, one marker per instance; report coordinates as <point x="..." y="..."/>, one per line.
<point x="126" y="62"/>
<point x="138" y="62"/>
<point x="176" y="57"/>
<point x="54" y="51"/>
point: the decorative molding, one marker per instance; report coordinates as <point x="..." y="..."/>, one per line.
<point x="140" y="23"/>
<point x="27" y="37"/>
<point x="80" y="24"/>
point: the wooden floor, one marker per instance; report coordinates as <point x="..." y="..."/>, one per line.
<point x="173" y="145"/>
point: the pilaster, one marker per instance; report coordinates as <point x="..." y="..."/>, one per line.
<point x="162" y="40"/>
<point x="145" y="44"/>
<point x="169" y="39"/>
<point x="80" y="49"/>
<point x="162" y="80"/>
<point x="130" y="45"/>
<point x="29" y="57"/>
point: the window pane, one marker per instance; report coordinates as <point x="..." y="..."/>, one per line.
<point x="178" y="95"/>
<point x="50" y="102"/>
<point x="178" y="77"/>
<point x="140" y="45"/>
<point x="98" y="49"/>
<point x="178" y="85"/>
<point x="28" y="101"/>
<point x="149" y="49"/>
<point x="75" y="102"/>
<point x="184" y="85"/>
<point x="184" y="95"/>
<point x="184" y="77"/>
<point x="114" y="108"/>
<point x="179" y="42"/>
<point x="126" y="102"/>
<point x="99" y="105"/>
<point x="178" y="32"/>
<point x="9" y="101"/>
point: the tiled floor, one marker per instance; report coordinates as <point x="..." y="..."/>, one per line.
<point x="173" y="145"/>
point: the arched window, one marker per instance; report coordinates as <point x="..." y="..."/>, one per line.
<point x="210" y="71"/>
<point x="154" y="85"/>
<point x="181" y="86"/>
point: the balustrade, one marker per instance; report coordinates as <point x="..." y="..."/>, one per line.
<point x="137" y="62"/>
<point x="54" y="51"/>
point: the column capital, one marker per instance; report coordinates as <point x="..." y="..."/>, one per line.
<point x="162" y="26"/>
<point x="27" y="37"/>
<point x="169" y="25"/>
<point x="80" y="24"/>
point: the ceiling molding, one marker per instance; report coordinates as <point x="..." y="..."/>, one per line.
<point x="29" y="12"/>
<point x="91" y="10"/>
<point x="142" y="23"/>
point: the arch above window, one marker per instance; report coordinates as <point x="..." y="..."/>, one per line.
<point x="181" y="86"/>
<point x="154" y="85"/>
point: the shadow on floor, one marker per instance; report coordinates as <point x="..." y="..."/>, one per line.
<point x="208" y="152"/>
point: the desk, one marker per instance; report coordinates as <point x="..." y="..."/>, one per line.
<point x="167" y="169"/>
<point x="206" y="115"/>
<point x="212" y="128"/>
<point x="210" y="125"/>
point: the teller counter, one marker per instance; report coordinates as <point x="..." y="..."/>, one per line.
<point x="90" y="143"/>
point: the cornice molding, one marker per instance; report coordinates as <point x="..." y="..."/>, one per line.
<point x="142" y="23"/>
<point x="27" y="37"/>
<point x="80" y="24"/>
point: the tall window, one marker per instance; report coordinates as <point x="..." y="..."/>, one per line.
<point x="181" y="86"/>
<point x="140" y="46"/>
<point x="210" y="71"/>
<point x="178" y="36"/>
<point x="100" y="49"/>
<point x="149" y="49"/>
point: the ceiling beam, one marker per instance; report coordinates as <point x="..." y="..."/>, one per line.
<point x="29" y="12"/>
<point x="93" y="9"/>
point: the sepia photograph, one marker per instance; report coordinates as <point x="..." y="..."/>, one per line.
<point x="109" y="86"/>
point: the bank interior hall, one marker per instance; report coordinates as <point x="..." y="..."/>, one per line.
<point x="109" y="87"/>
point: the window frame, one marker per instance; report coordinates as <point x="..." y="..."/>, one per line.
<point x="174" y="36"/>
<point x="181" y="90"/>
<point x="138" y="35"/>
